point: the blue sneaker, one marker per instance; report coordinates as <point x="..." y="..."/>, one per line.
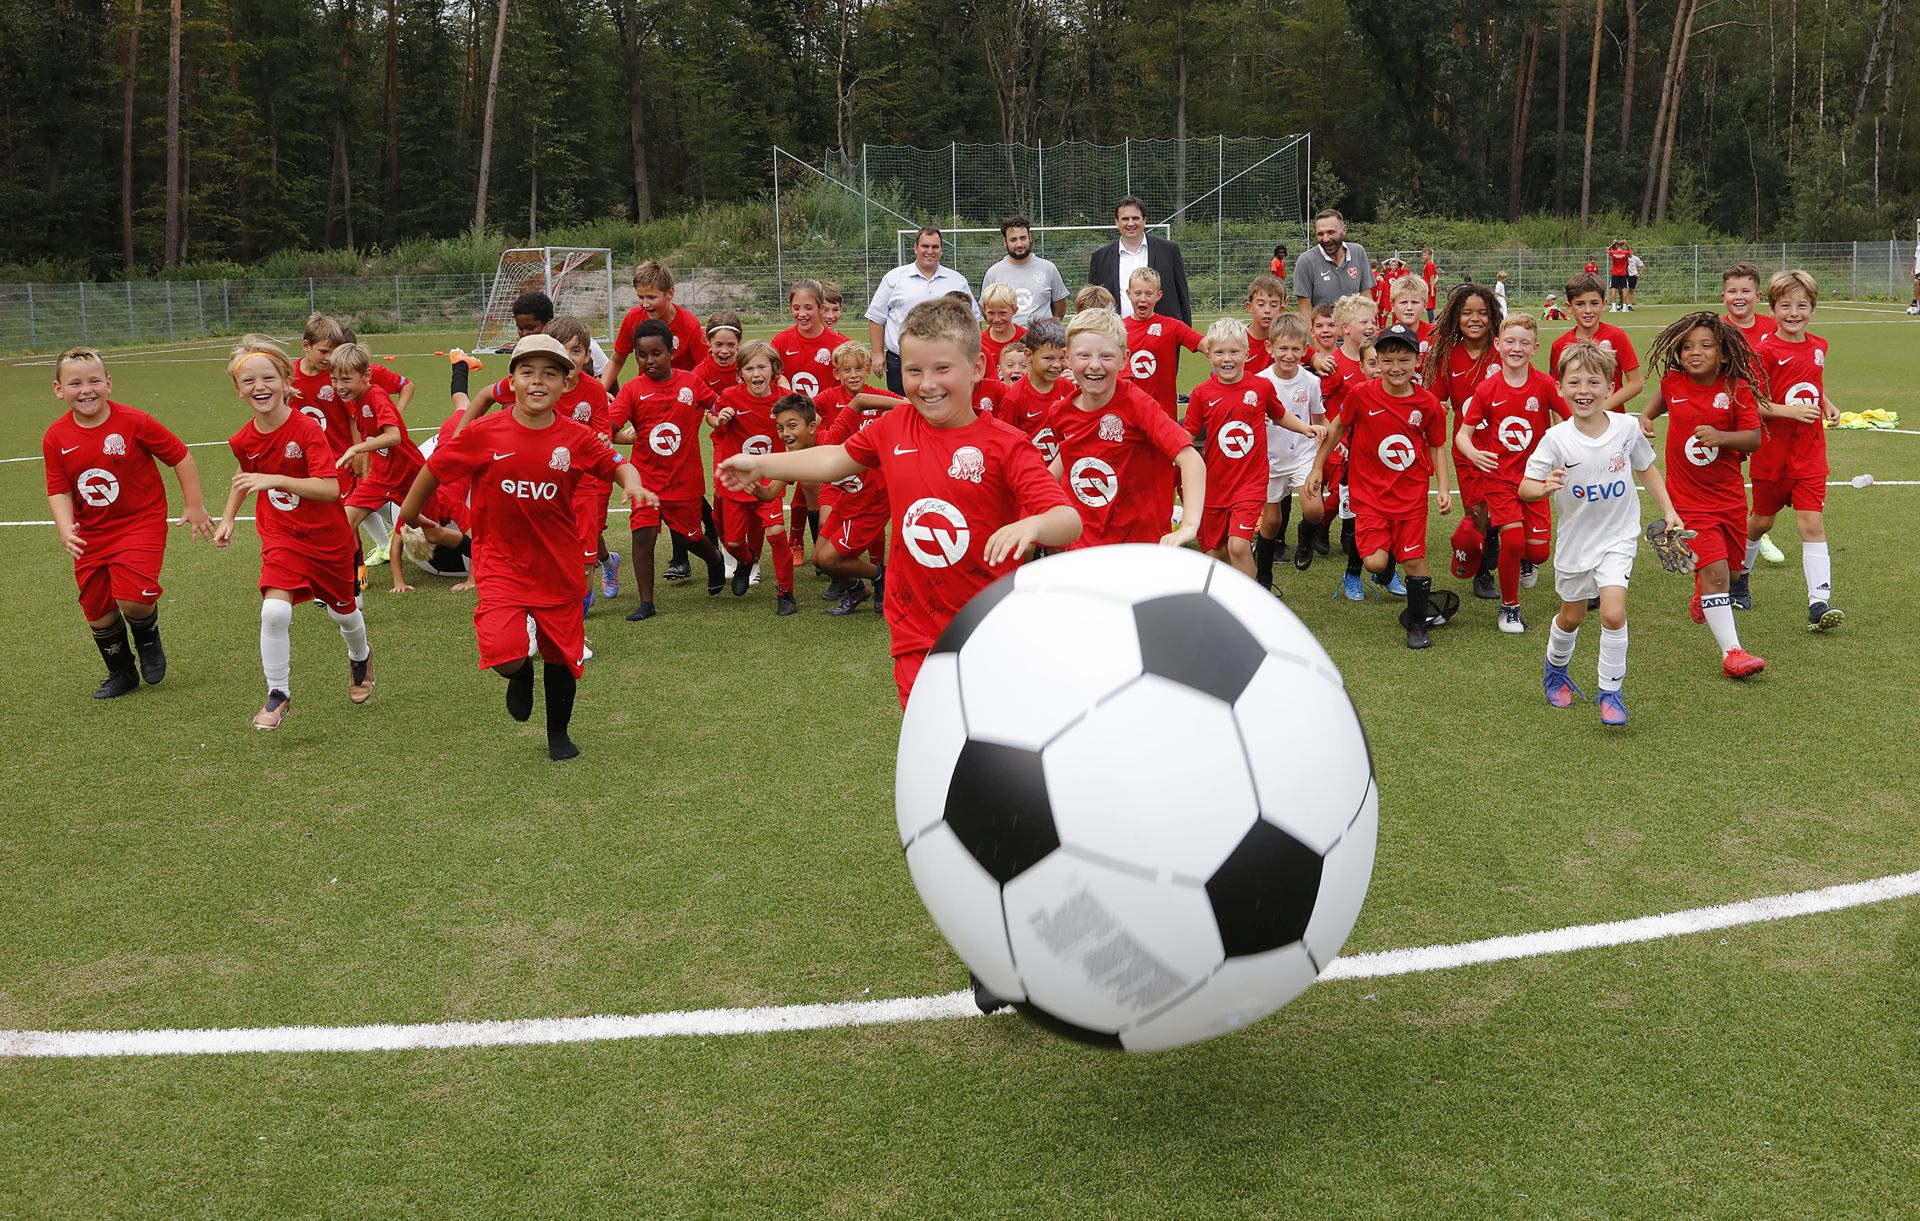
<point x="586" y="603"/>
<point x="1559" y="688"/>
<point x="1397" y="587"/>
<point x="610" y="576"/>
<point x="1613" y="709"/>
<point x="1351" y="589"/>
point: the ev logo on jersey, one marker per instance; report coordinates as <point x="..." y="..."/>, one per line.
<point x="935" y="532"/>
<point x="759" y="444"/>
<point x="1236" y="439"/>
<point x="806" y="383"/>
<point x="114" y="446"/>
<point x="1093" y="483"/>
<point x="1516" y="434"/>
<point x="852" y="485"/>
<point x="1699" y="453"/>
<point x="561" y="460"/>
<point x="283" y="500"/>
<point x="1111" y="429"/>
<point x="316" y="415"/>
<point x="1142" y="364"/>
<point x="1048" y="444"/>
<point x="968" y="464"/>
<point x="294" y="450"/>
<point x="1396" y="453"/>
<point x="97" y="487"/>
<point x="1803" y="394"/>
<point x="664" y="440"/>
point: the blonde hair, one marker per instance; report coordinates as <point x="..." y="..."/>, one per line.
<point x="251" y="346"/>
<point x="1268" y="284"/>
<point x="1590" y="357"/>
<point x="1520" y="318"/>
<point x="1144" y="275"/>
<point x="943" y="320"/>
<point x="350" y="358"/>
<point x="1225" y="330"/>
<point x="1287" y="326"/>
<point x="1099" y="321"/>
<point x="1000" y="293"/>
<point x="1410" y="286"/>
<point x="757" y="349"/>
<point x="1353" y="308"/>
<point x="79" y="355"/>
<point x="568" y="329"/>
<point x="653" y="274"/>
<point x="323" y="329"/>
<point x="1092" y="297"/>
<point x="852" y="355"/>
<point x="1784" y="282"/>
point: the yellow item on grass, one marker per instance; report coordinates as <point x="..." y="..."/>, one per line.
<point x="1879" y="417"/>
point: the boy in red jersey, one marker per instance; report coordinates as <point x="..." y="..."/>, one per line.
<point x="853" y="512"/>
<point x="659" y="414"/>
<point x="1118" y="447"/>
<point x="1013" y="362"/>
<point x="1503" y="422"/>
<point x="1266" y="301"/>
<point x="1409" y="292"/>
<point x="999" y="302"/>
<point x="1618" y="253"/>
<point x="797" y="425"/>
<point x="313" y="396"/>
<point x="1230" y="412"/>
<point x="1430" y="276"/>
<point x="110" y="510"/>
<point x="742" y="422"/>
<point x="967" y="492"/>
<point x="1708" y="382"/>
<point x="1740" y="293"/>
<point x="653" y="287"/>
<point x="1588" y="300"/>
<point x="306" y="546"/>
<point x="392" y="459"/>
<point x="526" y="465"/>
<point x="831" y="303"/>
<point x="1353" y="316"/>
<point x="1791" y="466"/>
<point x="1395" y="432"/>
<point x="1029" y="402"/>
<point x="1153" y="342"/>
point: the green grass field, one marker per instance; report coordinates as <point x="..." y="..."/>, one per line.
<point x="727" y="839"/>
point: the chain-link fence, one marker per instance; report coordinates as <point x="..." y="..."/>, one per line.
<point x="47" y="317"/>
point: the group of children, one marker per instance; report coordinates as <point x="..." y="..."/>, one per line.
<point x="1066" y="437"/>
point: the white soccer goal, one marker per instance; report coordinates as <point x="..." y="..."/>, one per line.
<point x="578" y="279"/>
<point x="971" y="251"/>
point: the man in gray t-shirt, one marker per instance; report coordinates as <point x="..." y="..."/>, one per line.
<point x="1036" y="281"/>
<point x="1333" y="268"/>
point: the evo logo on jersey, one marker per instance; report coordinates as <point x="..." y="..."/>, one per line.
<point x="527" y="489"/>
<point x="664" y="440"/>
<point x="1699" y="453"/>
<point x="1142" y="364"/>
<point x="1236" y="439"/>
<point x="1396" y="453"/>
<point x="1594" y="492"/>
<point x="1093" y="483"/>
<point x="97" y="487"/>
<point x="935" y="532"/>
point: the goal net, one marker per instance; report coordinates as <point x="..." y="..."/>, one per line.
<point x="578" y="280"/>
<point x="971" y="251"/>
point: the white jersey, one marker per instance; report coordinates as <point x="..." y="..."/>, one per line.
<point x="1301" y="397"/>
<point x="1598" y="509"/>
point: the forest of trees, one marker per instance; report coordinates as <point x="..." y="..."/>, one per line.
<point x="150" y="133"/>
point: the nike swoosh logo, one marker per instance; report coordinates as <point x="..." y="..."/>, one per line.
<point x="501" y="457"/>
<point x="256" y="457"/>
<point x="1377" y="411"/>
<point x="70" y="449"/>
<point x="897" y="451"/>
<point x="1783" y="360"/>
<point x="1569" y="465"/>
<point x="149" y="593"/>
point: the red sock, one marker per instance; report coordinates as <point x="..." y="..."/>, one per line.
<point x="1511" y="553"/>
<point x="783" y="565"/>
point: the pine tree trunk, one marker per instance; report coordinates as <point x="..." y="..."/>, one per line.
<point x="486" y="124"/>
<point x="393" y="124"/>
<point x="126" y="138"/>
<point x="1522" y="111"/>
<point x="1660" y="115"/>
<point x="1593" y="96"/>
<point x="1560" y="124"/>
<point x="170" y="255"/>
<point x="1673" y="113"/>
<point x="1626" y="90"/>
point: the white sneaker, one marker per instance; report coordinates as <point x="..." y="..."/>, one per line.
<point x="1529" y="574"/>
<point x="586" y="651"/>
<point x="1510" y="620"/>
<point x="1914" y="308"/>
<point x="753" y="576"/>
<point x="728" y="563"/>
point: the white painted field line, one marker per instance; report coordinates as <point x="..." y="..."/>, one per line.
<point x="57" y="1044"/>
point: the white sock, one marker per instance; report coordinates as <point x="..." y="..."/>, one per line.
<point x="1719" y="612"/>
<point x="1753" y="553"/>
<point x="276" y="651"/>
<point x="353" y="630"/>
<point x="376" y="528"/>
<point x="1560" y="642"/>
<point x="1818" y="563"/>
<point x="1613" y="657"/>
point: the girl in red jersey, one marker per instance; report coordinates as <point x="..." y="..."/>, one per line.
<point x="719" y="370"/>
<point x="1460" y="357"/>
<point x="392" y="459"/>
<point x="110" y="510"/>
<point x="1711" y="384"/>
<point x="306" y="546"/>
<point x="742" y="422"/>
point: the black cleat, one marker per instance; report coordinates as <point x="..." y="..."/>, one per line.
<point x="784" y="605"/>
<point x="153" y="663"/>
<point x="1417" y="637"/>
<point x="1281" y="552"/>
<point x="1320" y="539"/>
<point x="678" y="570"/>
<point x="641" y="612"/>
<point x="716" y="579"/>
<point x="560" y="748"/>
<point x="851" y="600"/>
<point x="835" y="588"/>
<point x="1739" y="593"/>
<point x="1824" y="618"/>
<point x="880" y="587"/>
<point x="116" y="684"/>
<point x="742" y="579"/>
<point x="1485" y="585"/>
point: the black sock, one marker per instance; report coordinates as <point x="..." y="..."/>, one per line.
<point x="1385" y="575"/>
<point x="561" y="686"/>
<point x="1286" y="515"/>
<point x="1263" y="560"/>
<point x="1419" y="600"/>
<point x="112" y="643"/>
<point x="1490" y="554"/>
<point x="1350" y="545"/>
<point x="146" y="632"/>
<point x="813" y="523"/>
<point x="458" y="382"/>
<point x="520" y="692"/>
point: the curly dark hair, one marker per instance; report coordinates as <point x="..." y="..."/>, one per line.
<point x="1738" y="361"/>
<point x="1446" y="330"/>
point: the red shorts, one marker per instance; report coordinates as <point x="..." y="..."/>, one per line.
<point x="829" y="497"/>
<point x="122" y="574"/>
<point x="773" y="514"/>
<point x="444" y="507"/>
<point x="680" y="516"/>
<point x="501" y="629"/>
<point x="1718" y="538"/>
<point x="369" y="494"/>
<point x="1402" y="538"/>
<point x="1807" y="493"/>
<point x="590" y="514"/>
<point x="906" y="668"/>
<point x="856" y="532"/>
<point x="1470" y="485"/>
<point x="736" y="518"/>
<point x="329" y="580"/>
<point x="1505" y="508"/>
<point x="1220" y="523"/>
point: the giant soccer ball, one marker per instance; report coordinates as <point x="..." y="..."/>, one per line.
<point x="1135" y="796"/>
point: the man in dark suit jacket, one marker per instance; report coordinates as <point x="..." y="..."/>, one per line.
<point x="1114" y="262"/>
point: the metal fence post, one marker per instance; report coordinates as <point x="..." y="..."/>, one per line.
<point x="1219" y="226"/>
<point x="1126" y="155"/>
<point x="169" y="284"/>
<point x="1890" y="291"/>
<point x="1853" y="272"/>
<point x="311" y="307"/>
<point x="33" y="339"/>
<point x="84" y="336"/>
<point x="1519" y="271"/>
<point x="133" y="331"/>
<point x="1696" y="272"/>
<point x="1040" y="152"/>
<point x="200" y="302"/>
<point x="953" y="179"/>
<point x="226" y="304"/>
<point x="396" y="302"/>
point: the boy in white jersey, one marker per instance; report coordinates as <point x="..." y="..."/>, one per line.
<point x="1289" y="454"/>
<point x="1587" y="465"/>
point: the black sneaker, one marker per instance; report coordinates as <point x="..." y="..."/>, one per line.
<point x="1824" y="618"/>
<point x="742" y="577"/>
<point x="678" y="570"/>
<point x="835" y="588"/>
<point x="1485" y="585"/>
<point x="116" y="684"/>
<point x="783" y="604"/>
<point x="1739" y="593"/>
<point x="1417" y="637"/>
<point x="983" y="996"/>
<point x="851" y="600"/>
<point x="641" y="612"/>
<point x="153" y="663"/>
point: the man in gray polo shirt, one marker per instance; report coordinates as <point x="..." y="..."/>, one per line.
<point x="1333" y="268"/>
<point x="905" y="287"/>
<point x="1036" y="281"/>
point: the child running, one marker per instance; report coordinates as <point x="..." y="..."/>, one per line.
<point x="852" y="546"/>
<point x="1289" y="454"/>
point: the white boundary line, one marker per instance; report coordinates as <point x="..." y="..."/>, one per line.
<point x="774" y="1018"/>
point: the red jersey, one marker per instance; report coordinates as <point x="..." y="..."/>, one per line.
<point x="1508" y="421"/>
<point x="717" y="377"/>
<point x="1706" y="478"/>
<point x="750" y="431"/>
<point x="1233" y="420"/>
<point x="312" y="396"/>
<point x="1027" y="407"/>
<point x="867" y="491"/>
<point x="991" y="347"/>
<point x="1335" y="386"/>
<point x="298" y="449"/>
<point x="949" y="490"/>
<point x="1389" y="443"/>
<point x="666" y="431"/>
<point x="1617" y="261"/>
<point x="689" y="341"/>
<point x="586" y="403"/>
<point x="1763" y="326"/>
<point x="391" y="469"/>
<point x="1117" y="462"/>
<point x="1431" y="275"/>
<point x="807" y="363"/>
<point x="989" y="394"/>
<point x="1464" y="373"/>
<point x="110" y="473"/>
<point x="1608" y="336"/>
<point x="526" y="536"/>
<point x="1592" y="268"/>
<point x="1796" y="374"/>
<point x="1153" y="357"/>
<point x="1258" y="357"/>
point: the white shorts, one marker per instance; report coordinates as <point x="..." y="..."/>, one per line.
<point x="1282" y="481"/>
<point x="1614" y="569"/>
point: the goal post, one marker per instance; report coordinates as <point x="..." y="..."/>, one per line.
<point x="970" y="251"/>
<point x="577" y="279"/>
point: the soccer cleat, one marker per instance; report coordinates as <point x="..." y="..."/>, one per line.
<point x="360" y="678"/>
<point x="1770" y="553"/>
<point x="610" y="576"/>
<point x="116" y="684"/>
<point x="1739" y="594"/>
<point x="1303" y="545"/>
<point x="273" y="711"/>
<point x="1351" y="589"/>
<point x="1613" y="709"/>
<point x="1510" y="621"/>
<point x="742" y="575"/>
<point x="376" y="556"/>
<point x="678" y="570"/>
<point x="457" y="356"/>
<point x="640" y="612"/>
<point x="1529" y="574"/>
<point x="1485" y="586"/>
<point x="753" y="573"/>
<point x="1281" y="552"/>
<point x="520" y="692"/>
<point x="1417" y="637"/>
<point x="716" y="580"/>
<point x="153" y="663"/>
<point x="834" y="589"/>
<point x="1559" y="688"/>
<point x="586" y="652"/>
<point x="1397" y="587"/>
<point x="1824" y="618"/>
<point x="783" y="605"/>
<point x="1695" y="610"/>
<point x="727" y="559"/>
<point x="1738" y="663"/>
<point x="851" y="600"/>
<point x="799" y="554"/>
